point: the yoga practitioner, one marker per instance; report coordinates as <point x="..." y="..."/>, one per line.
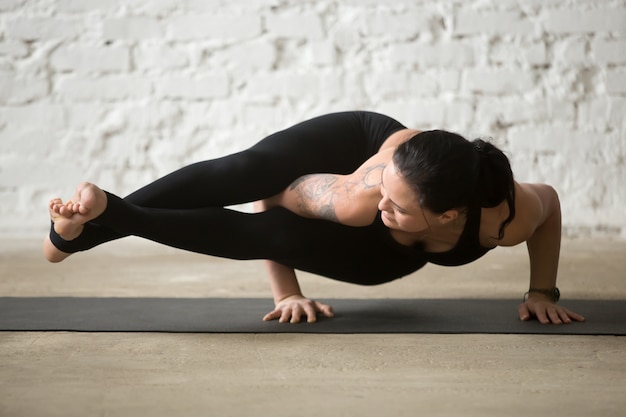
<point x="353" y="196"/>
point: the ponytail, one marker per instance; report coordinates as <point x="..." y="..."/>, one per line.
<point x="495" y="180"/>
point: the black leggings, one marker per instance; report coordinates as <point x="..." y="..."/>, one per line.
<point x="185" y="209"/>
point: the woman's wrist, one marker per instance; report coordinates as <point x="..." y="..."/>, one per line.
<point x="281" y="298"/>
<point x="552" y="294"/>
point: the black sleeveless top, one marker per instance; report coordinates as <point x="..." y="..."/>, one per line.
<point x="466" y="250"/>
<point x="366" y="255"/>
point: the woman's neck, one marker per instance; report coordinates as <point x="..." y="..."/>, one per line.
<point x="438" y="238"/>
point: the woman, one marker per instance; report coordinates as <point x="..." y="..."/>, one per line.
<point x="353" y="196"/>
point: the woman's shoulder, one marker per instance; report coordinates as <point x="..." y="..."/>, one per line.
<point x="398" y="138"/>
<point x="533" y="203"/>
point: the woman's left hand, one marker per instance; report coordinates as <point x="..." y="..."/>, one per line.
<point x="296" y="307"/>
<point x="546" y="311"/>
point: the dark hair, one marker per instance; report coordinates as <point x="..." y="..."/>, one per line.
<point x="449" y="172"/>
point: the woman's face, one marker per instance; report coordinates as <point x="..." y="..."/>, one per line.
<point x="399" y="205"/>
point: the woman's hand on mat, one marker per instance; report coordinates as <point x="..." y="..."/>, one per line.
<point x="546" y="311"/>
<point x="294" y="308"/>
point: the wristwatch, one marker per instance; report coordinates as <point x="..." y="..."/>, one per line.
<point x="553" y="293"/>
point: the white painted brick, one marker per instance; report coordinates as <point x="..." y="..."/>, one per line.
<point x="354" y="90"/>
<point x="112" y="126"/>
<point x="84" y="58"/>
<point x="493" y="23"/>
<point x="378" y="3"/>
<point x="158" y="8"/>
<point x="548" y="77"/>
<point x="609" y="51"/>
<point x="31" y="29"/>
<point x="593" y="112"/>
<point x="400" y="26"/>
<point x="421" y="85"/>
<point x="159" y="115"/>
<point x="421" y="115"/>
<point x="536" y="54"/>
<point x="162" y="157"/>
<point x="50" y="116"/>
<point x="345" y="34"/>
<point x="452" y="54"/>
<point x="497" y="81"/>
<point x="570" y="51"/>
<point x="386" y="86"/>
<point x="159" y="56"/>
<point x="27" y="196"/>
<point x="87" y="6"/>
<point x="447" y="80"/>
<point x="14" y="90"/>
<point x="445" y="54"/>
<point x="85" y="115"/>
<point x="195" y="6"/>
<point x="587" y="21"/>
<point x="37" y="142"/>
<point x="517" y="111"/>
<point x="251" y="56"/>
<point x="307" y="26"/>
<point x="616" y="81"/>
<point x="504" y="53"/>
<point x="617" y="112"/>
<point x="510" y="111"/>
<point x="559" y="83"/>
<point x="133" y="28"/>
<point x="459" y="115"/>
<point x="194" y="88"/>
<point x="561" y="112"/>
<point x="321" y="53"/>
<point x="126" y="148"/>
<point x="295" y="85"/>
<point x="220" y="113"/>
<point x="10" y="4"/>
<point x="107" y="88"/>
<point x="574" y="144"/>
<point x="512" y="53"/>
<point x="211" y="27"/>
<point x="13" y="48"/>
<point x="260" y="115"/>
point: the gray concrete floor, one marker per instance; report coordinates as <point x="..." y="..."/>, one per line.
<point x="125" y="374"/>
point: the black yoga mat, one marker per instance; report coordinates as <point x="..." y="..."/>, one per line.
<point x="243" y="315"/>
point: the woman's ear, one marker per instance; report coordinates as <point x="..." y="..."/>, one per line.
<point x="448" y="216"/>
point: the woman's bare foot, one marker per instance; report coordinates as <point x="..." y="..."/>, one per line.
<point x="69" y="218"/>
<point x="51" y="253"/>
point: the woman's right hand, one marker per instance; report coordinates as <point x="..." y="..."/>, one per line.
<point x="293" y="308"/>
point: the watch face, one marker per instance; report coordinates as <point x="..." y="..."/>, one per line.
<point x="556" y="294"/>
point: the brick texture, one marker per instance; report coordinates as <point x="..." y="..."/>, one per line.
<point x="120" y="93"/>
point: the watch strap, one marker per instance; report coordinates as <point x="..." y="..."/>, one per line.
<point x="553" y="293"/>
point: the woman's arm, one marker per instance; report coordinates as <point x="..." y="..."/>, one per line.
<point x="290" y="304"/>
<point x="347" y="199"/>
<point x="538" y="222"/>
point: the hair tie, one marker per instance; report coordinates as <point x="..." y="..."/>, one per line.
<point x="479" y="145"/>
<point x="482" y="148"/>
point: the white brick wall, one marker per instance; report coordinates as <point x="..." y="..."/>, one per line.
<point x="121" y="92"/>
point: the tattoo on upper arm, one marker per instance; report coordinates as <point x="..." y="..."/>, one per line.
<point x="315" y="195"/>
<point x="318" y="195"/>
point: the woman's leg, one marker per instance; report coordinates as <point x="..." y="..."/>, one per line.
<point x="329" y="143"/>
<point x="360" y="255"/>
<point x="336" y="143"/>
